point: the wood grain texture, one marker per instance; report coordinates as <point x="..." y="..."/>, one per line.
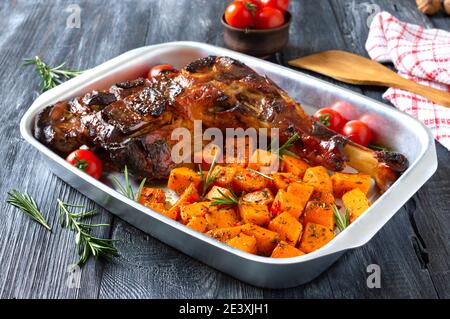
<point x="412" y="249"/>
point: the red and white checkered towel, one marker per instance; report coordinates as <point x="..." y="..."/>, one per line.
<point x="421" y="55"/>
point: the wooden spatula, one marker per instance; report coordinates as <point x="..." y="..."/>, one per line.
<point x="354" y="69"/>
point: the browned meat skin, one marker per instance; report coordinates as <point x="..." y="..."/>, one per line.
<point x="134" y="119"/>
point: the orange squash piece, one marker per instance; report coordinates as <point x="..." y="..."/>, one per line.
<point x="282" y="180"/>
<point x="189" y="196"/>
<point x="288" y="227"/>
<point x="318" y="178"/>
<point x="157" y="207"/>
<point x="263" y="197"/>
<point x="197" y="223"/>
<point x="199" y="209"/>
<point x="294" y="166"/>
<point x="224" y="234"/>
<point x="293" y="200"/>
<point x="224" y="175"/>
<point x="152" y="195"/>
<point x="266" y="240"/>
<point x="319" y="213"/>
<point x="264" y="161"/>
<point x="244" y="242"/>
<point x="343" y="183"/>
<point x="356" y="203"/>
<point x="221" y="217"/>
<point x="284" y="250"/>
<point x="180" y="178"/>
<point x="326" y="198"/>
<point x="254" y="213"/>
<point x="314" y="237"/>
<point x="248" y="181"/>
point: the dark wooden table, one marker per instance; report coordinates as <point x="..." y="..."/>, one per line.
<point x="413" y="249"/>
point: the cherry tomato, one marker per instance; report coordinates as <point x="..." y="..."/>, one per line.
<point x="344" y="108"/>
<point x="281" y="5"/>
<point x="157" y="69"/>
<point x="268" y="18"/>
<point x="86" y="161"/>
<point x="238" y="15"/>
<point x="330" y="118"/>
<point x="358" y="132"/>
<point x="250" y="4"/>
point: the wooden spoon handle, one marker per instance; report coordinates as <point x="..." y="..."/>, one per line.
<point x="354" y="69"/>
<point x="437" y="96"/>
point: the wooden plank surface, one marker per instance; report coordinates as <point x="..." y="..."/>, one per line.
<point x="412" y="249"/>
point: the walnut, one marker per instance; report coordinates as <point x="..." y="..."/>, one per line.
<point x="447" y="6"/>
<point x="429" y="7"/>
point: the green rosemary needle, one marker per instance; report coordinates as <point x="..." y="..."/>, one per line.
<point x="86" y="244"/>
<point x="225" y="200"/>
<point x="27" y="204"/>
<point x="210" y="177"/>
<point x="51" y="76"/>
<point x="341" y="222"/>
<point x="127" y="189"/>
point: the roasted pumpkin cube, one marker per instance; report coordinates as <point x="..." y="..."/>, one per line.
<point x="314" y="237"/>
<point x="224" y="175"/>
<point x="264" y="161"/>
<point x="263" y="197"/>
<point x="197" y="223"/>
<point x="266" y="240"/>
<point x="221" y="217"/>
<point x="293" y="200"/>
<point x="319" y="213"/>
<point x="157" y="207"/>
<point x="294" y="166"/>
<point x="356" y="203"/>
<point x="244" y="242"/>
<point x="180" y="178"/>
<point x="343" y="183"/>
<point x="254" y="213"/>
<point x="189" y="196"/>
<point x="282" y="180"/>
<point x="216" y="192"/>
<point x="284" y="250"/>
<point x="288" y="227"/>
<point x="152" y="195"/>
<point x="318" y="178"/>
<point x="248" y="181"/>
<point x="326" y="198"/>
<point x="224" y="234"/>
<point x="199" y="209"/>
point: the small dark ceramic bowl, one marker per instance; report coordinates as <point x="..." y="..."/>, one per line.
<point x="259" y="43"/>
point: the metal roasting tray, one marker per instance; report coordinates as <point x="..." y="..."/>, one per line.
<point x="392" y="128"/>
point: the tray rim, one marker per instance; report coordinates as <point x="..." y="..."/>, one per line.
<point x="112" y="66"/>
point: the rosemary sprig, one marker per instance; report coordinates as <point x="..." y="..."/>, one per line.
<point x="226" y="200"/>
<point x="209" y="178"/>
<point x="378" y="148"/>
<point x="27" y="204"/>
<point x="341" y="222"/>
<point x="51" y="76"/>
<point x="127" y="189"/>
<point x="259" y="173"/>
<point x="86" y="244"/>
<point x="283" y="149"/>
